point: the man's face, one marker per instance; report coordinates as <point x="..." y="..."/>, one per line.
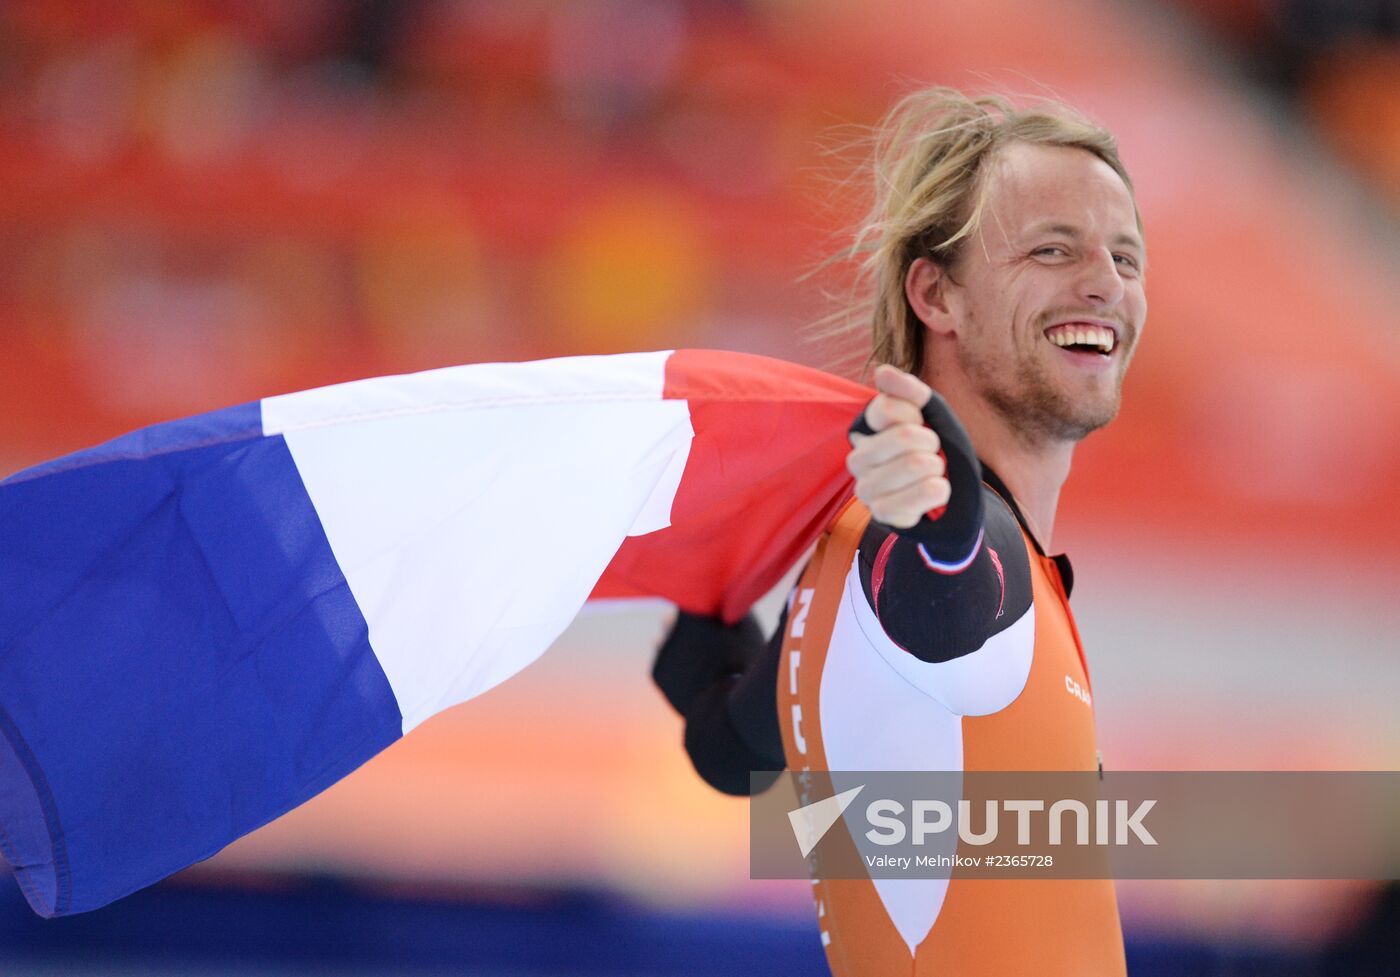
<point x="1057" y="260"/>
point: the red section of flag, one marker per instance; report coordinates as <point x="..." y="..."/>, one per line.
<point x="766" y="474"/>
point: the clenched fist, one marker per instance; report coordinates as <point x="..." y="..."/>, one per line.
<point x="900" y="470"/>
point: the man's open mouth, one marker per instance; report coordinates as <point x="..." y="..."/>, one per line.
<point x="1081" y="337"/>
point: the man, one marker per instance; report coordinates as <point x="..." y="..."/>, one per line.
<point x="930" y="629"/>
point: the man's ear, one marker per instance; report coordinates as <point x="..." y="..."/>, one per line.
<point x="925" y="286"/>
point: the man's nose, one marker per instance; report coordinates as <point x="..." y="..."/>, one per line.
<point x="1099" y="280"/>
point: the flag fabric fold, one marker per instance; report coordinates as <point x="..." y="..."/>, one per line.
<point x="207" y="622"/>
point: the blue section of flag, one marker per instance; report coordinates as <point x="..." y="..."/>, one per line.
<point x="220" y="427"/>
<point x="181" y="659"/>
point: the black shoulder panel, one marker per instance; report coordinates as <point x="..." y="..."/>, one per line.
<point x="938" y="614"/>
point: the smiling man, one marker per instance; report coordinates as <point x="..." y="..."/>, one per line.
<point x="931" y="630"/>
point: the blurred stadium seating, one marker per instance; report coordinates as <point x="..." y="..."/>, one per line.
<point x="205" y="202"/>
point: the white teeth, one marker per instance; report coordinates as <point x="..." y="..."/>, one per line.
<point x="1098" y="336"/>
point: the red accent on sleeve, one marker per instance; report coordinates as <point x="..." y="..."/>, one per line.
<point x="877" y="575"/>
<point x="935" y="514"/>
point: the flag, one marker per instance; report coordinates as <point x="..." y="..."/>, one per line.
<point x="207" y="622"/>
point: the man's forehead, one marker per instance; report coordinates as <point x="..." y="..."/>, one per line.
<point x="1060" y="189"/>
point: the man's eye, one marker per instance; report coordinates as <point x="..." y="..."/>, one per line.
<point x="1127" y="260"/>
<point x="1049" y="249"/>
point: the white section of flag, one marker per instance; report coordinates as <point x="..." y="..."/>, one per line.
<point x="471" y="515"/>
<point x="811" y="822"/>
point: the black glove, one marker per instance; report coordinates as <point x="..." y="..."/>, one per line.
<point x="950" y="534"/>
<point x="701" y="651"/>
